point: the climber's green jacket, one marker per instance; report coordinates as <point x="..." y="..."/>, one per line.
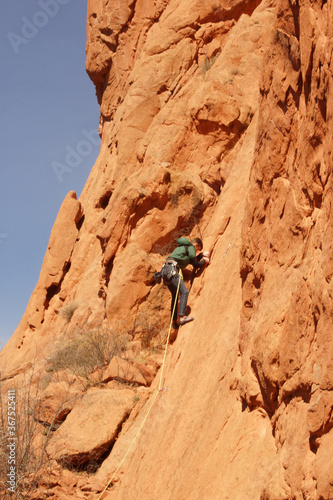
<point x="184" y="252"/>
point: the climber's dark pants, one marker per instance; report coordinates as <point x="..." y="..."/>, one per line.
<point x="183" y="292"/>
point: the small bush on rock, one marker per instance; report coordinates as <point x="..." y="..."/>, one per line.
<point x="68" y="310"/>
<point x="87" y="350"/>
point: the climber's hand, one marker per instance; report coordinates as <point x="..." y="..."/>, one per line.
<point x="206" y="257"/>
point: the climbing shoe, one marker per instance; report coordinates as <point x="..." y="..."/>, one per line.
<point x="185" y="319"/>
<point x="175" y="325"/>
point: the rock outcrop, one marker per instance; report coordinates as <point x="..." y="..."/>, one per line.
<point x="216" y="121"/>
<point x="92" y="427"/>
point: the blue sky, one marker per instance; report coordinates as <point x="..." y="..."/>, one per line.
<point x="48" y="110"/>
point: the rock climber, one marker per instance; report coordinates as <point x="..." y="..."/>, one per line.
<point x="182" y="256"/>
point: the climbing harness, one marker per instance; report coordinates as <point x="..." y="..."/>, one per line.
<point x="170" y="268"/>
<point x="159" y="389"/>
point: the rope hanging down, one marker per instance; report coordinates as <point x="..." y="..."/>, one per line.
<point x="158" y="390"/>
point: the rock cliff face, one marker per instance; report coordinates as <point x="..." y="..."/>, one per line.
<point x="216" y="121"/>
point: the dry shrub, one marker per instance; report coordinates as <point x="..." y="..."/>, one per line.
<point x="68" y="310"/>
<point x="86" y="351"/>
<point x="28" y="439"/>
<point x="151" y="332"/>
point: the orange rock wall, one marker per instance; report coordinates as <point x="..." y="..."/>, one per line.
<point x="216" y="120"/>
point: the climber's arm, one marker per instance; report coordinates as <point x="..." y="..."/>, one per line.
<point x="200" y="260"/>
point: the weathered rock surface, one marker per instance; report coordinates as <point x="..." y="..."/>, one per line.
<point x="216" y="120"/>
<point x="91" y="427"/>
<point x="56" y="401"/>
<point x="121" y="369"/>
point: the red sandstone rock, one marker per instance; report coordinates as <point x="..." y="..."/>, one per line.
<point x="216" y="120"/>
<point x="92" y="426"/>
<point x="56" y="401"/>
<point x="123" y="370"/>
